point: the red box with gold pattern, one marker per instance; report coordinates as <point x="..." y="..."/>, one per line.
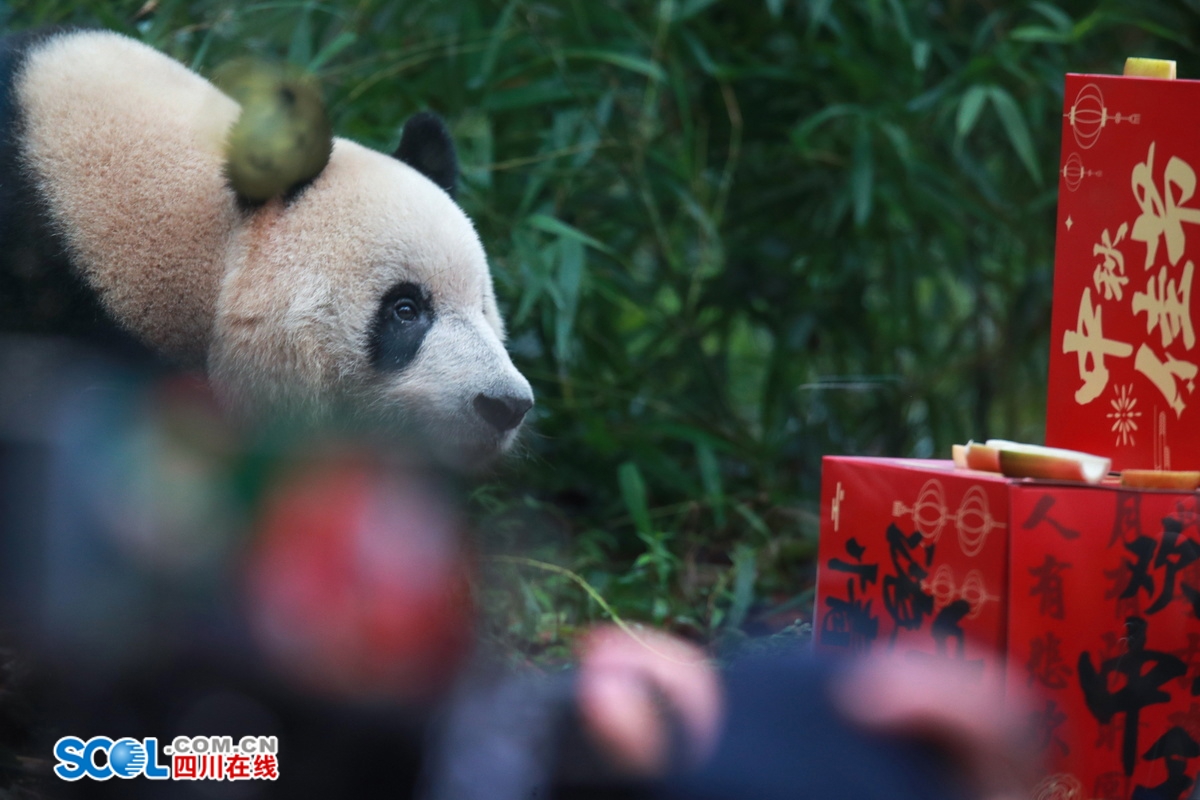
<point x="1089" y="595"/>
<point x="1123" y="350"/>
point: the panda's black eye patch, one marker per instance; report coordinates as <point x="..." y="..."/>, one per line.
<point x="404" y="316"/>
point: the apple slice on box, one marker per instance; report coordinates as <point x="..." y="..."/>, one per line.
<point x="1019" y="460"/>
<point x="983" y="456"/>
<point x="1179" y="480"/>
<point x="974" y="455"/>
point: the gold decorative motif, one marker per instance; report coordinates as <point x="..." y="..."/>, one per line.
<point x="973" y="520"/>
<point x="1088" y="116"/>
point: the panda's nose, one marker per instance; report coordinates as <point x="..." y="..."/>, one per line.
<point x="502" y="413"/>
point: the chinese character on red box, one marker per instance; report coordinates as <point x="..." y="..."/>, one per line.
<point x="1088" y="594"/>
<point x="1123" y="352"/>
<point x="913" y="556"/>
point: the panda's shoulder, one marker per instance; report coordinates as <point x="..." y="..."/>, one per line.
<point x="40" y="292"/>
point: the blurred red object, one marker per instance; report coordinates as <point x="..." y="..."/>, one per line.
<point x="358" y="581"/>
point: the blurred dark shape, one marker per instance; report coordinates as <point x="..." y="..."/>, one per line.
<point x="161" y="575"/>
<point x="783" y="737"/>
<point x="784" y="733"/>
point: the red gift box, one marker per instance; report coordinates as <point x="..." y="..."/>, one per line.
<point x="1089" y="595"/>
<point x="1123" y="350"/>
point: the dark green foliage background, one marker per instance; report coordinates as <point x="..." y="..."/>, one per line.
<point x="730" y="236"/>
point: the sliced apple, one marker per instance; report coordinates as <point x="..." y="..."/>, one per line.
<point x="1149" y="68"/>
<point x="958" y="454"/>
<point x="1019" y="460"/>
<point x="982" y="457"/>
<point x="1183" y="481"/>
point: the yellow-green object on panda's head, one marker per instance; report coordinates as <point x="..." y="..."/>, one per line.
<point x="283" y="138"/>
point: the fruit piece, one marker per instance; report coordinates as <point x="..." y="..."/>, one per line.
<point x="982" y="457"/>
<point x="1149" y="68"/>
<point x="1161" y="479"/>
<point x="283" y="137"/>
<point x="1051" y="463"/>
<point x="958" y="454"/>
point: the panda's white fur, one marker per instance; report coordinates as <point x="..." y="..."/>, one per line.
<point x="124" y="148"/>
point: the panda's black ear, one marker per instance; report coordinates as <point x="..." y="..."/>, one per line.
<point x="426" y="146"/>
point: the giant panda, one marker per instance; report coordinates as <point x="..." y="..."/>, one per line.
<point x="365" y="287"/>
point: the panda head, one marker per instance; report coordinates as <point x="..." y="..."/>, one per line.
<point x="363" y="290"/>
<point x="369" y="289"/>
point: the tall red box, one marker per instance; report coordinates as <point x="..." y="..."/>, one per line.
<point x="1123" y="350"/>
<point x="1089" y="595"/>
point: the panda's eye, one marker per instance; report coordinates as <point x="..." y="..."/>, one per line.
<point x="405" y="309"/>
<point x="404" y="315"/>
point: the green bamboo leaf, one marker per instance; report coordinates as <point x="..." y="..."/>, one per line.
<point x="691" y="8"/>
<point x="642" y="66"/>
<point x="700" y="53"/>
<point x="969" y="107"/>
<point x="901" y="143"/>
<point x="197" y="61"/>
<point x="862" y="176"/>
<point x="745" y="575"/>
<point x="753" y="520"/>
<point x="633" y="492"/>
<point x="748" y="352"/>
<point x="590" y="133"/>
<point x="549" y="224"/>
<point x="1015" y="126"/>
<point x="921" y="50"/>
<point x="802" y="131"/>
<point x="541" y="93"/>
<point x="300" y="49"/>
<point x="534" y="278"/>
<point x="710" y="477"/>
<point x="570" y="278"/>
<point x="818" y="12"/>
<point x="1086" y="25"/>
<point x="1055" y="15"/>
<point x="1040" y="33"/>
<point x="329" y="51"/>
<point x="499" y="32"/>
<point x="900" y="18"/>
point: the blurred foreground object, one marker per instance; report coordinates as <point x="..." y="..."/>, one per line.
<point x="358" y="582"/>
<point x="986" y="735"/>
<point x="172" y="579"/>
<point x="160" y="575"/>
<point x="648" y="716"/>
<point x="784" y="725"/>
<point x="624" y="684"/>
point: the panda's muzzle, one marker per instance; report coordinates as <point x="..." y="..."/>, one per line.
<point x="504" y="412"/>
